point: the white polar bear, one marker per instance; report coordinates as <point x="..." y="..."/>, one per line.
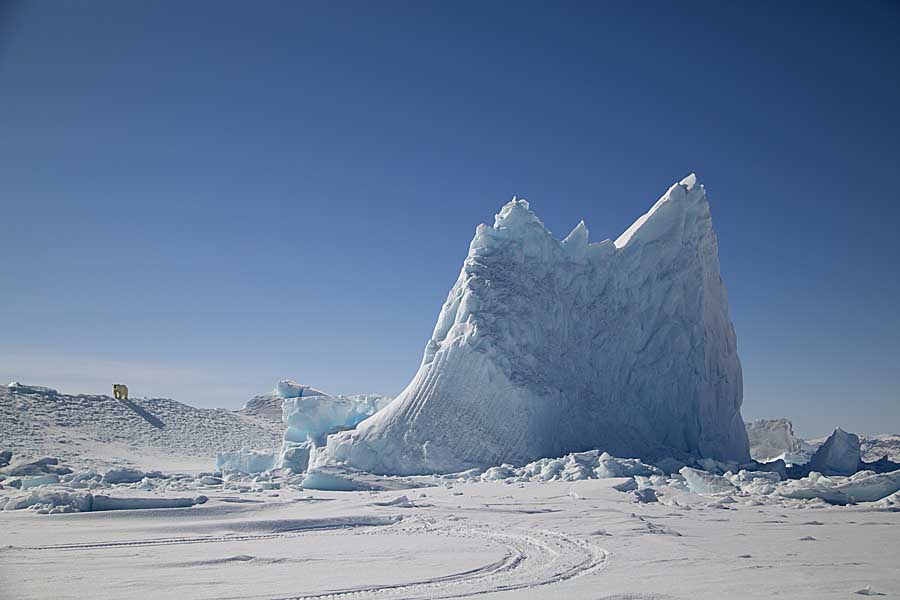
<point x="120" y="391"/>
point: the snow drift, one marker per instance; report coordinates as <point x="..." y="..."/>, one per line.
<point x="545" y="347"/>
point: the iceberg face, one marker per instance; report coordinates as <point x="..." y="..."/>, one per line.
<point x="312" y="417"/>
<point x="771" y="439"/>
<point x="839" y="455"/>
<point x="545" y="347"/>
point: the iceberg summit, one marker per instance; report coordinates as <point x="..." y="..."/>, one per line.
<point x="546" y="347"/>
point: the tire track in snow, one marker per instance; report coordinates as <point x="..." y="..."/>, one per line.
<point x="297" y="529"/>
<point x="533" y="558"/>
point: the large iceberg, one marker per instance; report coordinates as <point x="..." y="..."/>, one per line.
<point x="545" y="347"/>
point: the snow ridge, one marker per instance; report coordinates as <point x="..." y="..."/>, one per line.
<point x="546" y="347"/>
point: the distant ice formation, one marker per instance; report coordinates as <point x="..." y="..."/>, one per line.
<point x="839" y="455"/>
<point x="771" y="439"/>
<point x="545" y="347"/>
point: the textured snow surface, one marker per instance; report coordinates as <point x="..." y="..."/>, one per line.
<point x="99" y="431"/>
<point x="539" y="541"/>
<point x="546" y="347"/>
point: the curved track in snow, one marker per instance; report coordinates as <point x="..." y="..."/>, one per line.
<point x="532" y="558"/>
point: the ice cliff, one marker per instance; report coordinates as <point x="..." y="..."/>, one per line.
<point x="546" y="347"/>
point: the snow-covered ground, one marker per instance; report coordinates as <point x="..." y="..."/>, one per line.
<point x="582" y="539"/>
<point x="585" y="525"/>
<point x="99" y="431"/>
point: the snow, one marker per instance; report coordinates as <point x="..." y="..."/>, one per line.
<point x="839" y="455"/>
<point x="891" y="502"/>
<point x="545" y="347"/>
<point x="100" y="432"/>
<point x="535" y="540"/>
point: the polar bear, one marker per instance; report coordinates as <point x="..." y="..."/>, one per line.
<point x="120" y="391"/>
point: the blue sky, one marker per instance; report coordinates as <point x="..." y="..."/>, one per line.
<point x="201" y="198"/>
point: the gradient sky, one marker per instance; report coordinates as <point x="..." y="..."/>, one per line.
<point x="200" y="198"/>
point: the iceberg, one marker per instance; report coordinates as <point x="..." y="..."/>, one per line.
<point x="543" y="348"/>
<point x="839" y="455"/>
<point x="773" y="439"/>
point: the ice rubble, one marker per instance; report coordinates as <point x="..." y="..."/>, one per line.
<point x="862" y="487"/>
<point x="50" y="488"/>
<point x="865" y="486"/>
<point x="571" y="467"/>
<point x="545" y="347"/>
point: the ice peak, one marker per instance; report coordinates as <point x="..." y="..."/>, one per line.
<point x="519" y="201"/>
<point x="685" y="199"/>
<point x="577" y="241"/>
<point x="689" y="182"/>
<point x="515" y="214"/>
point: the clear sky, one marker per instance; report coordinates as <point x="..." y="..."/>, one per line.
<point x="200" y="198"/>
